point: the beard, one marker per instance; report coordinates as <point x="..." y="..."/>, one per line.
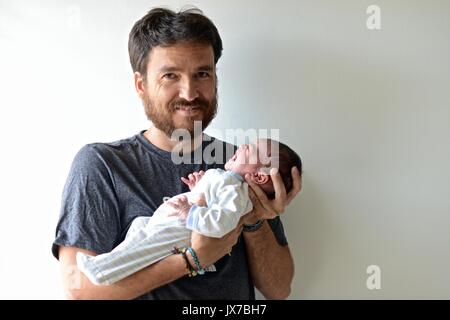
<point x="162" y="116"/>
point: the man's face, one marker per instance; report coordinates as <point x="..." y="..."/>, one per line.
<point x="180" y="87"/>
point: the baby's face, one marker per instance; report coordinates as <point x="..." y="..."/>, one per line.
<point x="250" y="158"/>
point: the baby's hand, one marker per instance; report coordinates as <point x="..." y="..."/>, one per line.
<point x="199" y="199"/>
<point x="180" y="205"/>
<point x="193" y="179"/>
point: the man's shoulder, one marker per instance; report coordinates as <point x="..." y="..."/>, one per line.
<point x="112" y="147"/>
<point x="101" y="153"/>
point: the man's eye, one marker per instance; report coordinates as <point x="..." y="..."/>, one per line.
<point x="203" y="74"/>
<point x="169" y="76"/>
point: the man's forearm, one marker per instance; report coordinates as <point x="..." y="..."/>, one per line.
<point x="77" y="286"/>
<point x="271" y="264"/>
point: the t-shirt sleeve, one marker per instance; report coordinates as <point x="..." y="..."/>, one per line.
<point x="278" y="230"/>
<point x="89" y="216"/>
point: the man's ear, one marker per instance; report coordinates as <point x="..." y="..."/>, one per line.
<point x="139" y="84"/>
<point x="260" y="178"/>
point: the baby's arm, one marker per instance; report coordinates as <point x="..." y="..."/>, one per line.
<point x="181" y="205"/>
<point x="227" y="202"/>
<point x="193" y="179"/>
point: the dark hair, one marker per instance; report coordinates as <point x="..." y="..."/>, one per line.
<point x="288" y="158"/>
<point x="164" y="27"/>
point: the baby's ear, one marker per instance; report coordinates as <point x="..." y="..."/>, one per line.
<point x="260" y="177"/>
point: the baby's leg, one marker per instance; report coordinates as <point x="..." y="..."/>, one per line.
<point x="143" y="247"/>
<point x="137" y="224"/>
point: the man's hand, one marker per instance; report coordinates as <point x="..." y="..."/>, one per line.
<point x="263" y="208"/>
<point x="193" y="179"/>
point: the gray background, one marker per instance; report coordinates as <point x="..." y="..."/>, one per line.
<point x="367" y="110"/>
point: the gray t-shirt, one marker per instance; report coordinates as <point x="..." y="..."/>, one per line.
<point x="110" y="184"/>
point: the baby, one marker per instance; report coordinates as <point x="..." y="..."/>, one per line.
<point x="214" y="206"/>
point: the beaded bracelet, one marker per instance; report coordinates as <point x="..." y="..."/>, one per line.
<point x="200" y="270"/>
<point x="192" y="272"/>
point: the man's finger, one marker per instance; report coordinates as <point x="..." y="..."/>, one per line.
<point x="252" y="195"/>
<point x="254" y="198"/>
<point x="260" y="194"/>
<point x="296" y="184"/>
<point x="280" y="191"/>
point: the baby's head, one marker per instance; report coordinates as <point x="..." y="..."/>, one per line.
<point x="259" y="157"/>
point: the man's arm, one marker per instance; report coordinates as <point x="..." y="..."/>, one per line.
<point x="271" y="264"/>
<point x="77" y="286"/>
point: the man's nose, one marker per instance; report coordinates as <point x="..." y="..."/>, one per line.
<point x="188" y="90"/>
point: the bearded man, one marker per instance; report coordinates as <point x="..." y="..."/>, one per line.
<point x="173" y="56"/>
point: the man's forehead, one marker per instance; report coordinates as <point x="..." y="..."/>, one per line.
<point x="192" y="55"/>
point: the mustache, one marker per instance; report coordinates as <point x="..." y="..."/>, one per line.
<point x="196" y="103"/>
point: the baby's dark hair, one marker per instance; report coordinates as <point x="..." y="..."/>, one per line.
<point x="288" y="158"/>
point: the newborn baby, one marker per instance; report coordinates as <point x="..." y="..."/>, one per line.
<point x="214" y="206"/>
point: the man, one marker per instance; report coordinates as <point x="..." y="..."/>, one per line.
<point x="174" y="57"/>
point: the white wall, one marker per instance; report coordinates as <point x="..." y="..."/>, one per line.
<point x="367" y="111"/>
